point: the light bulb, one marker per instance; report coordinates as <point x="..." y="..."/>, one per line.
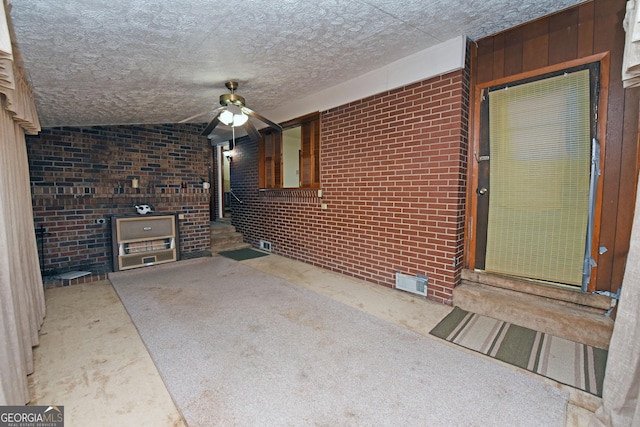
<point x="226" y="117"/>
<point x="240" y="119"/>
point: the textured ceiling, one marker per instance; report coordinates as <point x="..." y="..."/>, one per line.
<point x="95" y="62"/>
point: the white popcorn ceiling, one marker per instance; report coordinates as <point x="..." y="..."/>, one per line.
<point x="101" y="62"/>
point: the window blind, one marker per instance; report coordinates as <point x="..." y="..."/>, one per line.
<point x="539" y="178"/>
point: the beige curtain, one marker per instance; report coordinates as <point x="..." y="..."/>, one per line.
<point x="631" y="58"/>
<point x="21" y="293"/>
<point x="621" y="390"/>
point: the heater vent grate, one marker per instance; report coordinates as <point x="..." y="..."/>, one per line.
<point x="415" y="285"/>
<point x="265" y="246"/>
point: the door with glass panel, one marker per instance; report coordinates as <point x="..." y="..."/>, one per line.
<point x="537" y="176"/>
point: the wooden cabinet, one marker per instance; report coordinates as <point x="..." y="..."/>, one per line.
<point x="142" y="240"/>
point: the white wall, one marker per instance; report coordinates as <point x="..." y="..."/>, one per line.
<point x="291" y="146"/>
<point x="437" y="60"/>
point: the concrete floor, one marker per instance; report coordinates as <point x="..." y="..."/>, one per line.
<point x="91" y="359"/>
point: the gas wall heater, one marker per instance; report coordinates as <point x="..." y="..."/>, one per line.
<point x="415" y="285"/>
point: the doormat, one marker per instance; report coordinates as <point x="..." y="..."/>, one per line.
<point x="571" y="363"/>
<point x="242" y="254"/>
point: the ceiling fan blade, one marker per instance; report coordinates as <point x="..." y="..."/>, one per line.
<point x="188" y="119"/>
<point x="252" y="131"/>
<point x="251" y="113"/>
<point x="211" y="126"/>
<point x="215" y="112"/>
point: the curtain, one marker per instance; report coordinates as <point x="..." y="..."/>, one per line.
<point x="631" y="58"/>
<point x="621" y="389"/>
<point x="22" y="305"/>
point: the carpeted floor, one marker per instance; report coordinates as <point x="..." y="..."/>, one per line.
<point x="238" y="347"/>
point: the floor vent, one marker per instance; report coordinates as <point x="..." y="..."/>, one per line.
<point x="415" y="285"/>
<point x="265" y="246"/>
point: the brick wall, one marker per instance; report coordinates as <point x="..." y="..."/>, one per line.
<point x="393" y="172"/>
<point x="80" y="175"/>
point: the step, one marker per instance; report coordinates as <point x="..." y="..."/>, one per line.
<point x="227" y="237"/>
<point x="224" y="237"/>
<point x="570" y="296"/>
<point x="229" y="247"/>
<point x="221" y="227"/>
<point x="539" y="313"/>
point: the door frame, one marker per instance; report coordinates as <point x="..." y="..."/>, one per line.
<point x="220" y="178"/>
<point x="473" y="157"/>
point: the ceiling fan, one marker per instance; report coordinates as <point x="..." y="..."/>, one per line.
<point x="234" y="113"/>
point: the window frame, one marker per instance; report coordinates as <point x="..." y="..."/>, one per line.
<point x="270" y="153"/>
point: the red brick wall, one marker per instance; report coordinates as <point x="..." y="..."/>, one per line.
<point x="80" y="175"/>
<point x="393" y="171"/>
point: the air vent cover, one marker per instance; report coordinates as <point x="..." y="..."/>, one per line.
<point x="265" y="246"/>
<point x="416" y="285"/>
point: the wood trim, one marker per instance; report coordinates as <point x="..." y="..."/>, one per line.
<point x="483" y="180"/>
<point x="603" y="102"/>
<point x="545" y="70"/>
<point x="585" y="30"/>
<point x="279" y="160"/>
<point x="535" y="47"/>
<point x="309" y="176"/>
<point x="563" y="36"/>
<point x="628" y="184"/>
<point x="300" y="120"/>
<point x="274" y="178"/>
<point x="262" y="181"/>
<point x="513" y="52"/>
<point x="472" y="173"/>
<point x="609" y="35"/>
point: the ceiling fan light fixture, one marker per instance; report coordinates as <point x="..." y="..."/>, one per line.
<point x="226" y="117"/>
<point x="233" y="119"/>
<point x="240" y="119"/>
<point x="233" y="112"/>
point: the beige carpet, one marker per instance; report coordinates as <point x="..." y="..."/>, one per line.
<point x="91" y="361"/>
<point x="238" y="347"/>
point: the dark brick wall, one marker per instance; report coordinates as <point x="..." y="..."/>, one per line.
<point x="83" y="174"/>
<point x="393" y="173"/>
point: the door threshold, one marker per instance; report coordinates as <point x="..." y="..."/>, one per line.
<point x="568" y="295"/>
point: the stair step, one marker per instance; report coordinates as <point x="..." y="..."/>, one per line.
<point x="224" y="238"/>
<point x="229" y="247"/>
<point x="564" y="295"/>
<point x="534" y="312"/>
<point x="218" y="227"/>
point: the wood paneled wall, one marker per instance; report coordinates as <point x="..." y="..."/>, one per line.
<point x="587" y="29"/>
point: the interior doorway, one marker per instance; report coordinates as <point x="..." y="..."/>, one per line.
<point x="223" y="167"/>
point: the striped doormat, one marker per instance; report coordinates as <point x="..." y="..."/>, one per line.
<point x="574" y="364"/>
